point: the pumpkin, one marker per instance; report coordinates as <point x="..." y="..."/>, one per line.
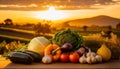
<point x="54" y="51"/>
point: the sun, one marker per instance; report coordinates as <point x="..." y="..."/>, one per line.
<point x="50" y="14"/>
<point x="51" y="8"/>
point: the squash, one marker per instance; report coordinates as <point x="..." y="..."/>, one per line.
<point x="54" y="51"/>
<point x="36" y="57"/>
<point x="20" y="57"/>
<point x="105" y="52"/>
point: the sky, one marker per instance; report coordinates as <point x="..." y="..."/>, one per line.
<point x="34" y="10"/>
<point x="60" y="4"/>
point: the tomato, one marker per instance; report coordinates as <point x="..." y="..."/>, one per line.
<point x="74" y="57"/>
<point x="64" y="57"/>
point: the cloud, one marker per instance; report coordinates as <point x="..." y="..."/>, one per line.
<point x="18" y="6"/>
<point x="20" y="2"/>
<point x="59" y="4"/>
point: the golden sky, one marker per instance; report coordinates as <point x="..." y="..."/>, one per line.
<point x="36" y="10"/>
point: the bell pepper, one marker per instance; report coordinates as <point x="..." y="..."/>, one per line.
<point x="54" y="51"/>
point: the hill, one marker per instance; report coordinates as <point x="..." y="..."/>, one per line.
<point x="101" y="20"/>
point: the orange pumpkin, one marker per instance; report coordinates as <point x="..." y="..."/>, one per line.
<point x="54" y="51"/>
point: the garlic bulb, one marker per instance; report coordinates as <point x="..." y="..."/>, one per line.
<point x="91" y="59"/>
<point x="82" y="59"/>
<point x="88" y="59"/>
<point x="90" y="53"/>
<point x="46" y="59"/>
<point x="98" y="58"/>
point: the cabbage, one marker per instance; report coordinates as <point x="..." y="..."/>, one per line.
<point x="68" y="36"/>
<point x="38" y="45"/>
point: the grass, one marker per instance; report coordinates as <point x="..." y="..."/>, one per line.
<point x="118" y="34"/>
<point x="94" y="42"/>
<point x="86" y="33"/>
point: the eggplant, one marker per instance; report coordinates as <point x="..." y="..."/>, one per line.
<point x="66" y="47"/>
<point x="19" y="57"/>
<point x="36" y="57"/>
<point x="83" y="49"/>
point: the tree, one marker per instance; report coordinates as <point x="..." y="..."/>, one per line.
<point x="37" y="29"/>
<point x="47" y="28"/>
<point x="41" y="29"/>
<point x="8" y="21"/>
<point x="118" y="26"/>
<point x="110" y="28"/>
<point x="85" y="28"/>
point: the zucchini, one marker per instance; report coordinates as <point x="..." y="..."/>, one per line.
<point x="19" y="57"/>
<point x="36" y="57"/>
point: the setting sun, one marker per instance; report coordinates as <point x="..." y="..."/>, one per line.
<point x="51" y="8"/>
<point x="50" y="14"/>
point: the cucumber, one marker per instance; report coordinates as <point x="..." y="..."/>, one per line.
<point x="19" y="57"/>
<point x="36" y="57"/>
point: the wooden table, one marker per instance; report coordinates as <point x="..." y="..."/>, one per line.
<point x="111" y="64"/>
<point x="4" y="62"/>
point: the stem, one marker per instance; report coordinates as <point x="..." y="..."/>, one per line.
<point x="89" y="50"/>
<point x="54" y="51"/>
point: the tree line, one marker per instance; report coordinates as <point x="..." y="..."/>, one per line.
<point x="45" y="28"/>
<point x="39" y="28"/>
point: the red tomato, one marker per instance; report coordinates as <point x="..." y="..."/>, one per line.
<point x="64" y="57"/>
<point x="74" y="57"/>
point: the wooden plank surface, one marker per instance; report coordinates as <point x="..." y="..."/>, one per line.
<point x="4" y="62"/>
<point x="111" y="64"/>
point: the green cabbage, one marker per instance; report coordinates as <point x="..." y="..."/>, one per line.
<point x="68" y="36"/>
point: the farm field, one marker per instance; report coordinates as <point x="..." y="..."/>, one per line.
<point x="14" y="32"/>
<point x="91" y="38"/>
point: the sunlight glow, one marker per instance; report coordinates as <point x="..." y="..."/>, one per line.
<point x="50" y="14"/>
<point x="51" y="8"/>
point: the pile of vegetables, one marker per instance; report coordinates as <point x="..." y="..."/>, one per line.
<point x="66" y="46"/>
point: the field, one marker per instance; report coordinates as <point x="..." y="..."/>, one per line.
<point x="92" y="38"/>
